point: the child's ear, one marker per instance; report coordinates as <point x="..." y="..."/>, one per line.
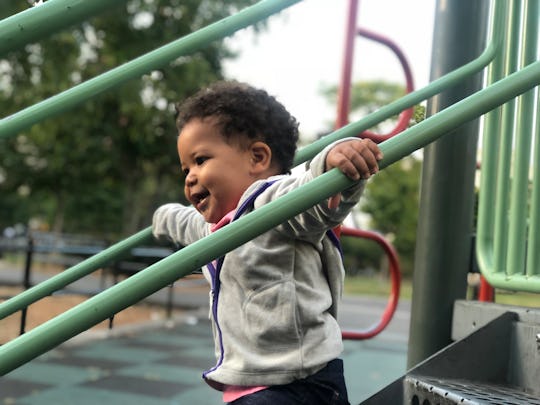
<point x="261" y="157"/>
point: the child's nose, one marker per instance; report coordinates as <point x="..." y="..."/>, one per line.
<point x="191" y="179"/>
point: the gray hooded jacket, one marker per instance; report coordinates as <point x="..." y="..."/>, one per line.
<point x="273" y="299"/>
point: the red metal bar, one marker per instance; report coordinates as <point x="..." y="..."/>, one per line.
<point x="344" y="91"/>
<point x="395" y="278"/>
<point x="486" y="292"/>
<point x="342" y="118"/>
<point x="405" y="116"/>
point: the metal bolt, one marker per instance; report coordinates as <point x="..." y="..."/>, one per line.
<point x="538" y="341"/>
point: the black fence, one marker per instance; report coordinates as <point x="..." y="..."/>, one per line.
<point x="66" y="250"/>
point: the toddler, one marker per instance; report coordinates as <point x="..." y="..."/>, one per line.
<point x="274" y="299"/>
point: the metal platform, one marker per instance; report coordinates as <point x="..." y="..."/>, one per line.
<point x="432" y="391"/>
<point x="495" y="359"/>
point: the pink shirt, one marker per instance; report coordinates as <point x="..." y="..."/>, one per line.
<point x="233" y="392"/>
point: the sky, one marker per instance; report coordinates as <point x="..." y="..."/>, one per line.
<point x="302" y="50"/>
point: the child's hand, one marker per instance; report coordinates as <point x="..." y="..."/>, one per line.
<point x="357" y="159"/>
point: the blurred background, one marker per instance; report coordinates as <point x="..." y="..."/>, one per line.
<point x="103" y="168"/>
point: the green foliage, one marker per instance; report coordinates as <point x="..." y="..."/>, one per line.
<point x="104" y="166"/>
<point x="391" y="199"/>
<point x="370" y="96"/>
<point x="360" y="256"/>
<point x="375" y="286"/>
<point x="367" y="97"/>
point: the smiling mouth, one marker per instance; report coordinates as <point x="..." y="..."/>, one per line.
<point x="199" y="200"/>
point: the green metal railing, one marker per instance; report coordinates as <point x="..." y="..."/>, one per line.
<point x="79" y="94"/>
<point x="13" y="124"/>
<point x="80" y="270"/>
<point x="157" y="58"/>
<point x="101" y="307"/>
<point x="163" y="273"/>
<point x="34" y="23"/>
<point x="509" y="205"/>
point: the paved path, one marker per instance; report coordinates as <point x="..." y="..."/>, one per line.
<point x="161" y="364"/>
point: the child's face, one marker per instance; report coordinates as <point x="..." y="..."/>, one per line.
<point x="217" y="173"/>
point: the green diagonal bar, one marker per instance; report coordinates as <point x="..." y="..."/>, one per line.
<point x="43" y="338"/>
<point x="157" y="58"/>
<point x="70" y="275"/>
<point x="62" y="101"/>
<point x="409" y="100"/>
<point x="34" y="23"/>
<point x="16" y="303"/>
<point x="59" y="281"/>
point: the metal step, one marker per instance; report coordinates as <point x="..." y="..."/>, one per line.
<point x="433" y="391"/>
<point x="494" y="360"/>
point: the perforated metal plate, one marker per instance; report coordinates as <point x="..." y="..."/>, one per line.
<point x="431" y="391"/>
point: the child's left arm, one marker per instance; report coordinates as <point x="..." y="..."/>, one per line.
<point x="356" y="158"/>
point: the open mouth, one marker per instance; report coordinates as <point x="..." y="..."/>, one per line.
<point x="199" y="199"/>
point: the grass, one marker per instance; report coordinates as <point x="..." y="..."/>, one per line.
<point x="380" y="286"/>
<point x="521" y="299"/>
<point x="375" y="286"/>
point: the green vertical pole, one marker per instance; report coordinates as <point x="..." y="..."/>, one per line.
<point x="446" y="208"/>
<point x="521" y="164"/>
<point x="506" y="139"/>
<point x="485" y="225"/>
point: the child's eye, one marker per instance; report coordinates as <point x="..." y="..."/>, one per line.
<point x="185" y="171"/>
<point x="200" y="160"/>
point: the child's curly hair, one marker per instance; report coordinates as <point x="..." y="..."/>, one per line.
<point x="246" y="111"/>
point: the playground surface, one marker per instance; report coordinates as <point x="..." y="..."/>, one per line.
<point x="161" y="364"/>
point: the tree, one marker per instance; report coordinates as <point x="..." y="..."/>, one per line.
<point x="367" y="97"/>
<point x="104" y="166"/>
<point x="391" y="199"/>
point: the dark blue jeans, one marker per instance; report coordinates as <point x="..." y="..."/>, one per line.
<point x="326" y="387"/>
